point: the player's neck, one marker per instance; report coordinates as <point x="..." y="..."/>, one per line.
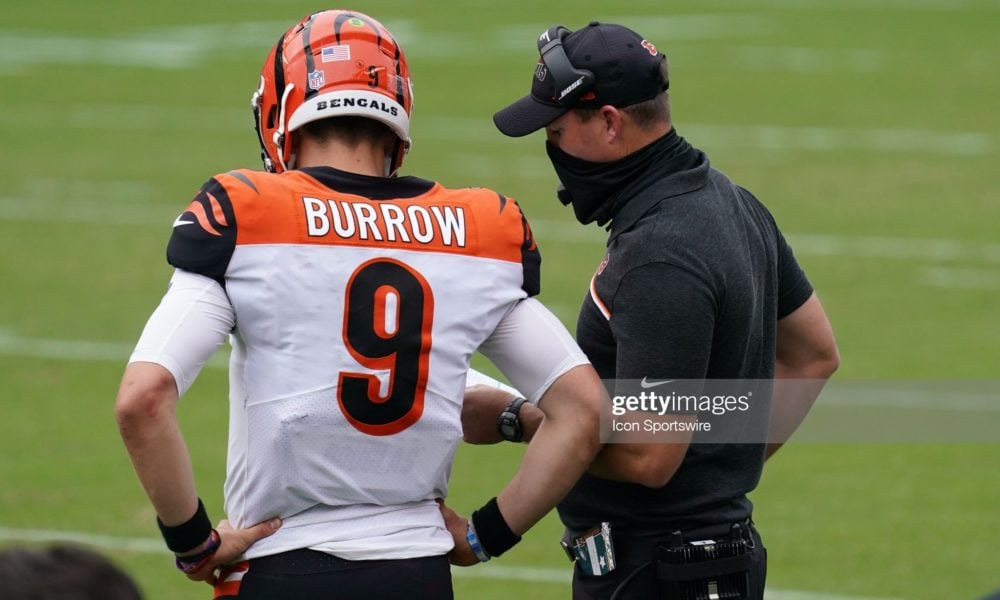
<point x="363" y="159"/>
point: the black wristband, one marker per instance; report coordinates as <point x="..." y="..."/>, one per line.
<point x="491" y="528"/>
<point x="190" y="534"/>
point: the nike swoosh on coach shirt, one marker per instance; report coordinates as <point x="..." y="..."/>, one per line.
<point x="648" y="384"/>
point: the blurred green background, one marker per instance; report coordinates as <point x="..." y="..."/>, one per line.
<point x="869" y="128"/>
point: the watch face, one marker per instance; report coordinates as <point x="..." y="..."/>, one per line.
<point x="510" y="429"/>
<point x="508" y="423"/>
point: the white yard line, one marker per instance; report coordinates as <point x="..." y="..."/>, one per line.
<point x="65" y="208"/>
<point x="75" y="350"/>
<point x="822" y="139"/>
<point x="193" y="46"/>
<point x="497" y="572"/>
<point x="966" y="278"/>
<point x="186" y="47"/>
<point x="551" y="231"/>
<point x="860" y="5"/>
<point x="152" y="117"/>
<point x="12" y="344"/>
<point x="963" y="396"/>
<point x="957" y="397"/>
<point x="912" y="249"/>
<point x="768" y="137"/>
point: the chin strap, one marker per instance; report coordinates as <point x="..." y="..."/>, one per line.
<point x="395" y="160"/>
<point x="255" y="106"/>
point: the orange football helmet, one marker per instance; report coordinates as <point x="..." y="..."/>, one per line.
<point x="332" y="63"/>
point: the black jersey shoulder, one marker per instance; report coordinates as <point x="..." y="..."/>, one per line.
<point x="204" y="235"/>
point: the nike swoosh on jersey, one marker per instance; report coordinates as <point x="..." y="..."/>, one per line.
<point x="178" y="222"/>
<point x="648" y="384"/>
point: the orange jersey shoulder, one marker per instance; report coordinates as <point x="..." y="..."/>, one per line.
<point x="322" y="206"/>
<point x="332" y="208"/>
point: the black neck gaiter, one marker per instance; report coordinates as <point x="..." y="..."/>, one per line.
<point x="597" y="190"/>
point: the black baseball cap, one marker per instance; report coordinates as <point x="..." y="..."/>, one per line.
<point x="598" y="65"/>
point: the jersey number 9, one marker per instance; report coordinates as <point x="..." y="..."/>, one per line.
<point x="388" y="315"/>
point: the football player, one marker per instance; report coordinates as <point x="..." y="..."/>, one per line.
<point x="353" y="300"/>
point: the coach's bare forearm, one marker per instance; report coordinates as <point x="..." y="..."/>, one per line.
<point x="806" y="356"/>
<point x="563" y="446"/>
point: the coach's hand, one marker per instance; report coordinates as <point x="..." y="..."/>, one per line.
<point x="462" y="554"/>
<point x="234" y="543"/>
<point x="480" y="410"/>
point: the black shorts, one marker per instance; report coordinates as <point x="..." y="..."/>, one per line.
<point x="311" y="575"/>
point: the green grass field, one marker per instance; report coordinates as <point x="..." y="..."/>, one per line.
<point x="869" y="127"/>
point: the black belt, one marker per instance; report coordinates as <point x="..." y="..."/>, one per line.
<point x="712" y="531"/>
<point x="625" y="541"/>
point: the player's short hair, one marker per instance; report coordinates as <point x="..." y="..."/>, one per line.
<point x="350" y="130"/>
<point x="62" y="571"/>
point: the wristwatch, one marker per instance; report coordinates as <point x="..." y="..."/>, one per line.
<point x="509" y="422"/>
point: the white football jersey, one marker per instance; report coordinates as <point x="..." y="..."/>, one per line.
<point x="357" y="303"/>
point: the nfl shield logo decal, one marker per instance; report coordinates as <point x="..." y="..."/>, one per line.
<point x="316" y="80"/>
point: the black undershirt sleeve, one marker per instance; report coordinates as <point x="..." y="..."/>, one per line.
<point x="663" y="318"/>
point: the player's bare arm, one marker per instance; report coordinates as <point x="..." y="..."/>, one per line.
<point x="147" y="420"/>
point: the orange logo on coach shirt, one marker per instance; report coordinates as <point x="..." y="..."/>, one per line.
<point x="604" y="264"/>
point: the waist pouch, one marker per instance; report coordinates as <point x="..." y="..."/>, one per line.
<point x="717" y="567"/>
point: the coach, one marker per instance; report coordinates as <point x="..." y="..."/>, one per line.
<point x="698" y="283"/>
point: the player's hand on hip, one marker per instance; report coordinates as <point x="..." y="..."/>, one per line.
<point x="480" y="410"/>
<point x="234" y="542"/>
<point x="462" y="554"/>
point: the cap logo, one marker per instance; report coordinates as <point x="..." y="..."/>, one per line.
<point x="649" y="47"/>
<point x="569" y="88"/>
<point x="541" y="71"/>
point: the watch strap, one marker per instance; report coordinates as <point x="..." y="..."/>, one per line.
<point x="509" y="421"/>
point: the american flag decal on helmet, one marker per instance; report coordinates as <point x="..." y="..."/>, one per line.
<point x="335" y="53"/>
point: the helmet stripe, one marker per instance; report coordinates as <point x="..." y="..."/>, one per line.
<point x="342" y="17"/>
<point x="400" y="93"/>
<point x="310" y="62"/>
<point x="279" y="70"/>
